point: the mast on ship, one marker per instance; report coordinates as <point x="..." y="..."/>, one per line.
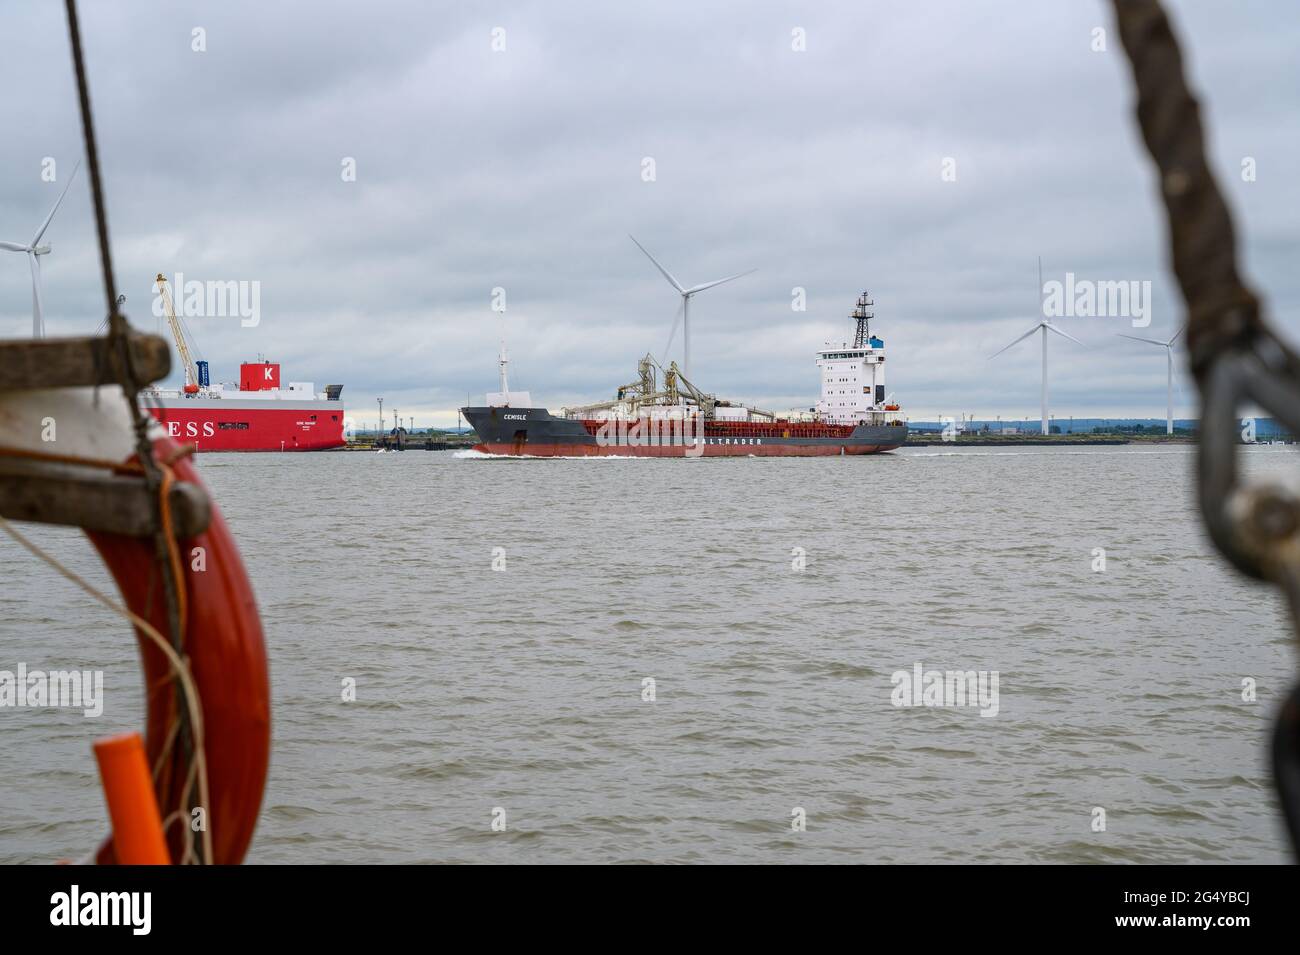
<point x="862" y="316"/>
<point x="505" y="398"/>
<point x="503" y="361"/>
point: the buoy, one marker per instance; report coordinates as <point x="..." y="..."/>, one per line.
<point x="227" y="656"/>
<point x="222" y="638"/>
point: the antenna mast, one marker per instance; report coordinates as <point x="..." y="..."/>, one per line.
<point x="503" y="361"/>
<point x="862" y="316"/>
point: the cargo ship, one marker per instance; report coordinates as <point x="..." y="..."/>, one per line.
<point x="258" y="414"/>
<point x="671" y="417"/>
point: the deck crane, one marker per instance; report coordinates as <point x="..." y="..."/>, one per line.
<point x="677" y="390"/>
<point x="193" y="376"/>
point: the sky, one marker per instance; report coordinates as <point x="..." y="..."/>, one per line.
<point x="927" y="152"/>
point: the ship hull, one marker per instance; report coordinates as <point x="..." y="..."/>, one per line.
<point x="535" y="432"/>
<point x="235" y="424"/>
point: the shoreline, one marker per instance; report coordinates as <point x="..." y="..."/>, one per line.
<point x="917" y="441"/>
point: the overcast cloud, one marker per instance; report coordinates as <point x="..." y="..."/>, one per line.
<point x="523" y="169"/>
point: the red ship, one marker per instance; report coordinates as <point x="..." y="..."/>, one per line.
<point x="257" y="415"/>
<point x="675" y="419"/>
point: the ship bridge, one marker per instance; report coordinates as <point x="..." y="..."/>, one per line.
<point x="853" y="375"/>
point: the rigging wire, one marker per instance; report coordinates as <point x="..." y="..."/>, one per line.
<point x="1235" y="356"/>
<point x="157" y="477"/>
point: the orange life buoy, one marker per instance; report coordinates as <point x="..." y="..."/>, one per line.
<point x="227" y="654"/>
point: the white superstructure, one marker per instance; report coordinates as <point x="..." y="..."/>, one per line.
<point x="853" y="375"/>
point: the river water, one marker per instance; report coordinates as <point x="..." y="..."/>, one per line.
<point x="520" y="693"/>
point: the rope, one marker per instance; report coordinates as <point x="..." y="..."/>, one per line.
<point x="1236" y="357"/>
<point x="124" y="467"/>
<point x="92" y="159"/>
<point x="121" y="467"/>
<point x="156" y="474"/>
<point x="180" y="666"/>
<point x="132" y="467"/>
<point x="198" y="767"/>
<point x="174" y="551"/>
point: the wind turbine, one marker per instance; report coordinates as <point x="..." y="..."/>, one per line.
<point x="1169" y="356"/>
<point x="34" y="250"/>
<point x="685" y="309"/>
<point x="1046" y="327"/>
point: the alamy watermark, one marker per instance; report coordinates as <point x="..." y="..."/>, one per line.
<point x="1084" y="298"/>
<point x="129" y="909"/>
<point x="240" y="299"/>
<point x="922" y="687"/>
<point x="657" y="433"/>
<point x="75" y="689"/>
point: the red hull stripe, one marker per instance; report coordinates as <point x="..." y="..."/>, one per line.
<point x="253" y="429"/>
<point x="710" y="450"/>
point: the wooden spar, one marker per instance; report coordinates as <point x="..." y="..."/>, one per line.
<point x="94" y="499"/>
<point x="65" y="492"/>
<point x="79" y="362"/>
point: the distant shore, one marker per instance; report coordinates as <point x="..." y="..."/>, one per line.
<point x="457" y="442"/>
<point x="980" y="439"/>
<point x="415" y="442"/>
<point x="452" y="441"/>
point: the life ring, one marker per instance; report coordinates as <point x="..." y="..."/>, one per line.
<point x="227" y="657"/>
<point x="223" y="632"/>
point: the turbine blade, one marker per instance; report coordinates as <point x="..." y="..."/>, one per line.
<point x="668" y="275"/>
<point x="1052" y="328"/>
<point x="36" y="240"/>
<point x="673" y="334"/>
<point x="1181" y="329"/>
<point x="1040" y="285"/>
<point x="1149" y="341"/>
<point x="14" y="247"/>
<point x="1018" y="340"/>
<point x="729" y="278"/>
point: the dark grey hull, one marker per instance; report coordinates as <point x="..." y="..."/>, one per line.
<point x="535" y="432"/>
